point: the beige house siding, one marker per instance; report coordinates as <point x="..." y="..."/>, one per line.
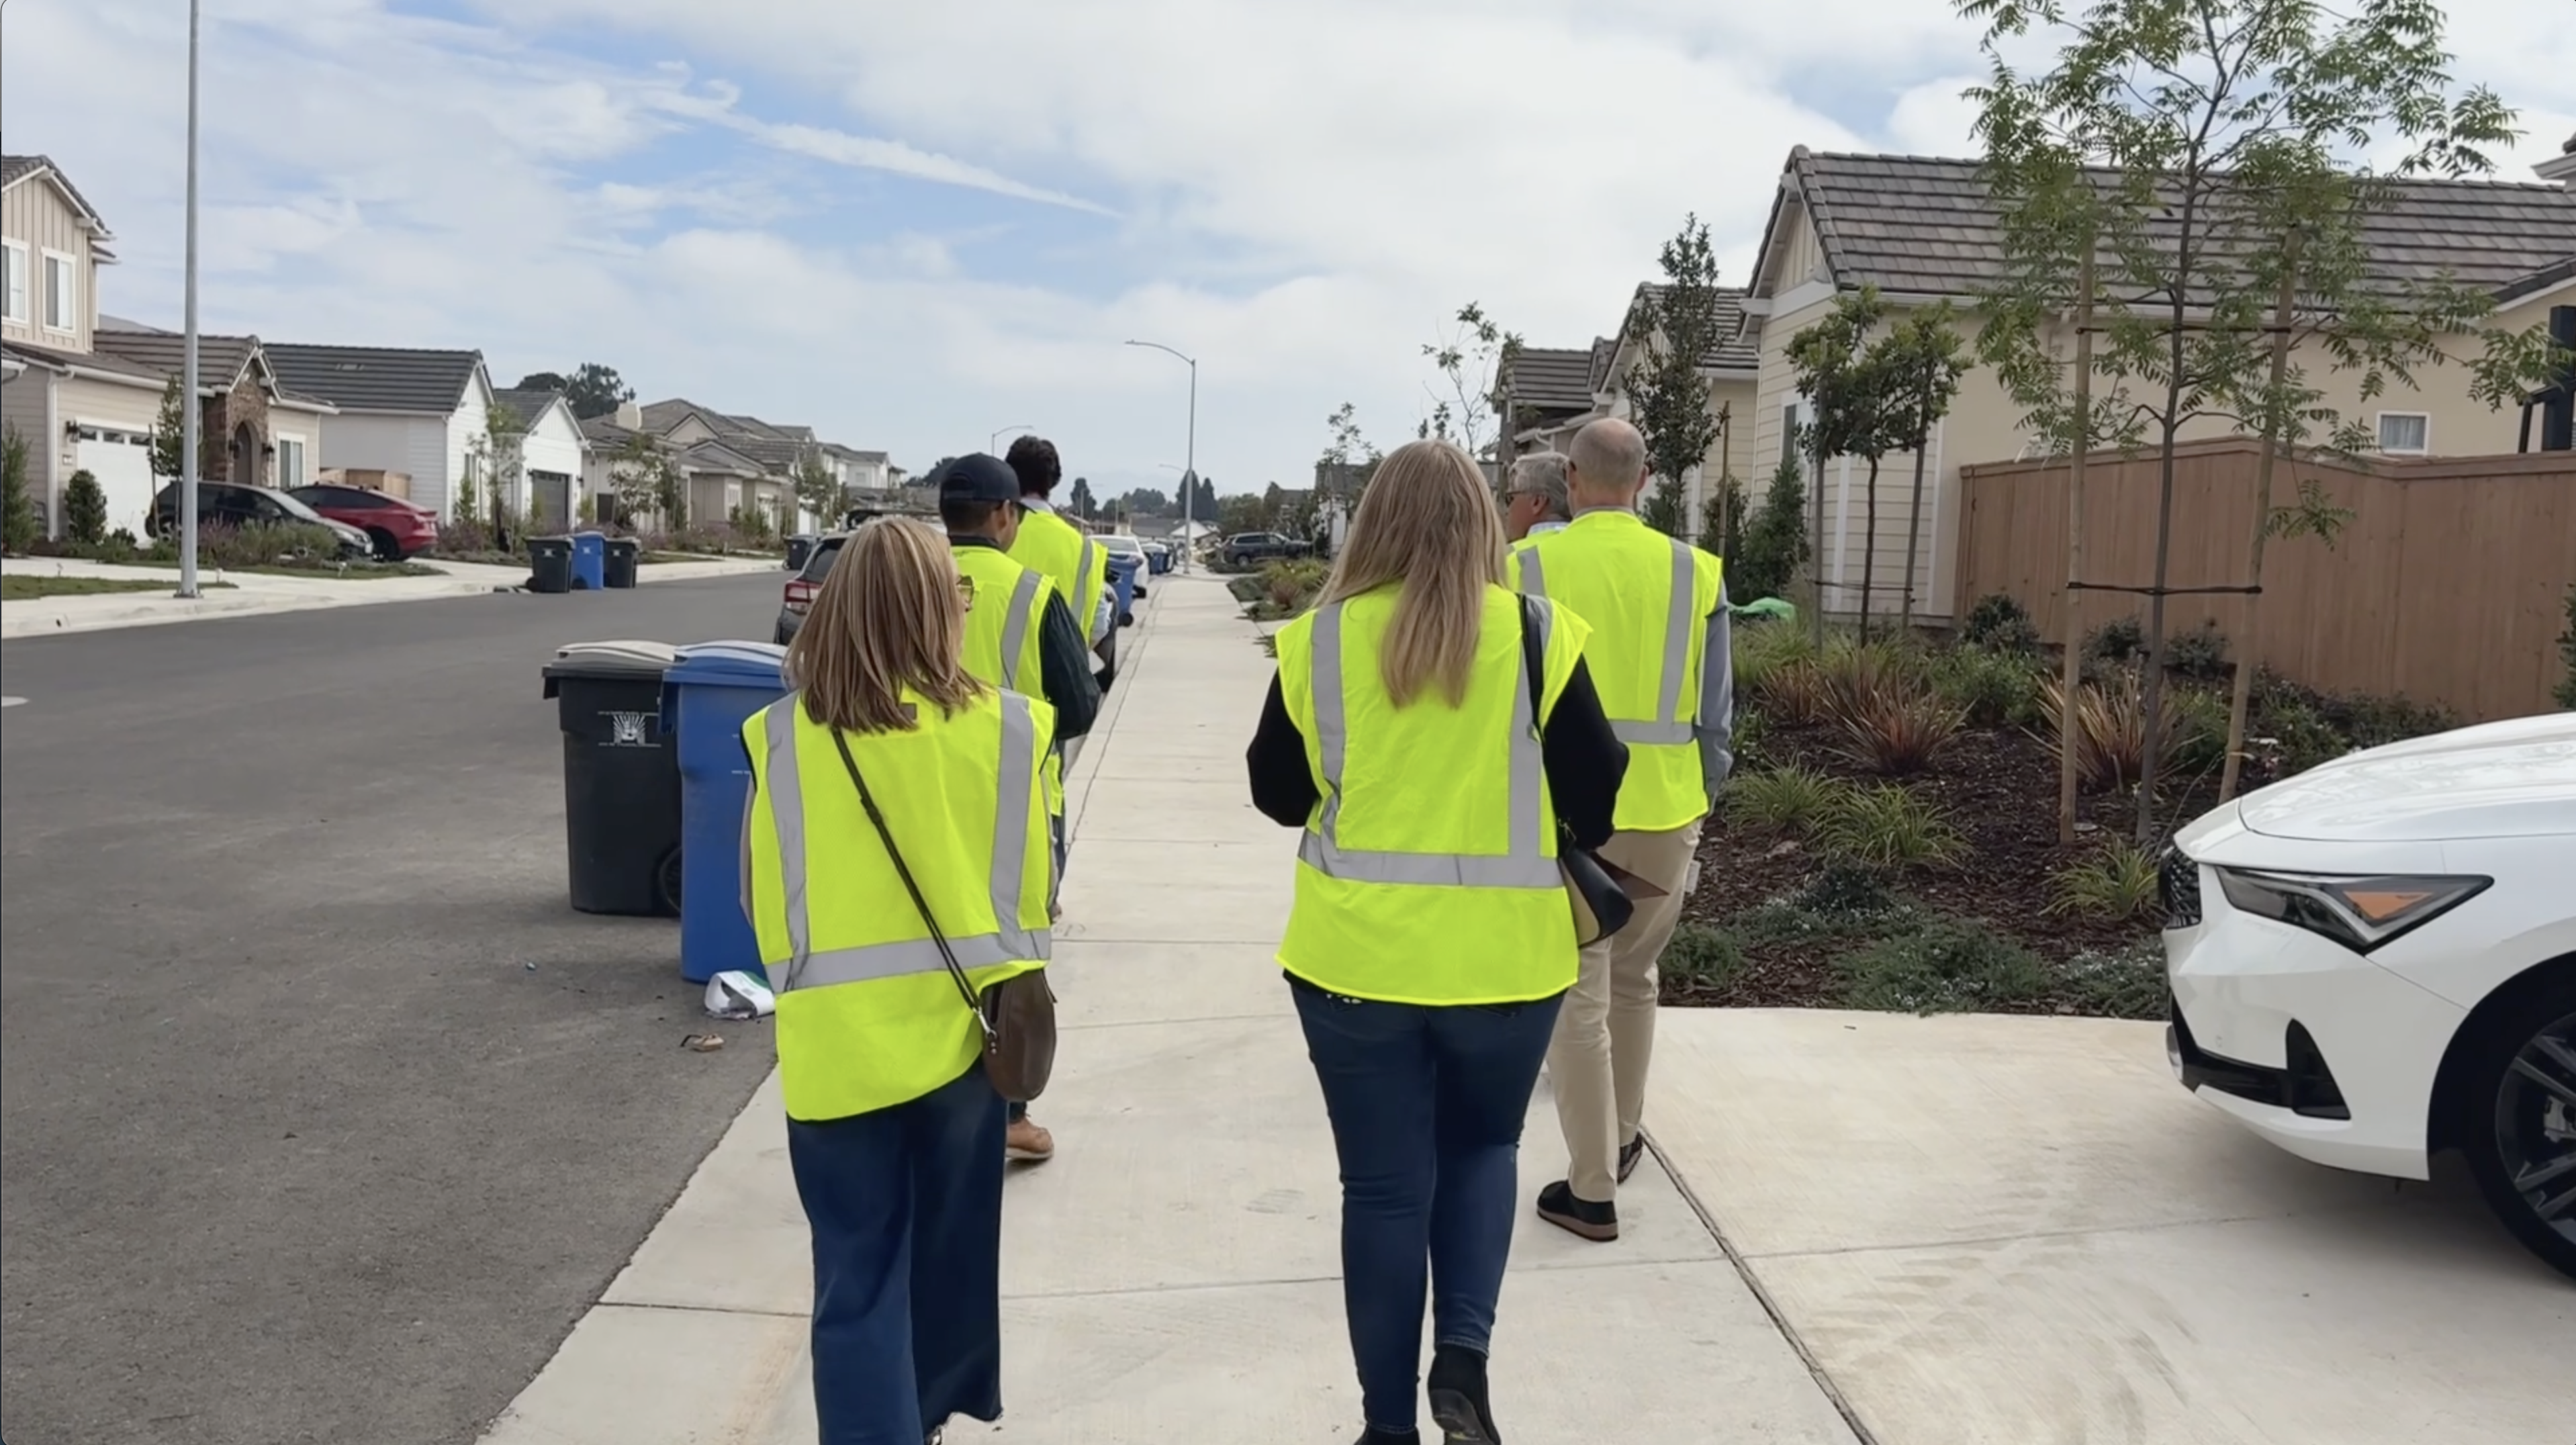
<point x="34" y="214"/>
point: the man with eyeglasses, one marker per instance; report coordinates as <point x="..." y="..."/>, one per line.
<point x="1537" y="504"/>
<point x="1020" y="635"/>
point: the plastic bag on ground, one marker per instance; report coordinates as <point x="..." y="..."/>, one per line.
<point x="735" y="994"/>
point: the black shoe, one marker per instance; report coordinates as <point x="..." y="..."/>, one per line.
<point x="1458" y="1401"/>
<point x="1596" y="1222"/>
<point x="1376" y="1436"/>
<point x="1629" y="1154"/>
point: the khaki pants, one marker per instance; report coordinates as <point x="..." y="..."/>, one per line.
<point x="1605" y="1035"/>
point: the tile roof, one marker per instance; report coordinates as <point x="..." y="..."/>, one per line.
<point x="1546" y="379"/>
<point x="1742" y="348"/>
<point x="1928" y="226"/>
<point x="1605" y="350"/>
<point x="378" y="378"/>
<point x="779" y="448"/>
<point x="14" y="169"/>
<point x="529" y="404"/>
<point x="46" y="356"/>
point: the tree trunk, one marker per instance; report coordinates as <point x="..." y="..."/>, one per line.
<point x="2152" y="704"/>
<point x="2241" y="696"/>
<point x="1913" y="532"/>
<point x="1816" y="549"/>
<point x="2071" y="667"/>
<point x="1869" y="552"/>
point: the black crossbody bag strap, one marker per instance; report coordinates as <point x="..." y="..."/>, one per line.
<point x="965" y="986"/>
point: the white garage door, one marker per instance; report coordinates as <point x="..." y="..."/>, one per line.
<point x="122" y="462"/>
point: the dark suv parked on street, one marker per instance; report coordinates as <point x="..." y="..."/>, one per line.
<point x="1244" y="548"/>
<point x="231" y="504"/>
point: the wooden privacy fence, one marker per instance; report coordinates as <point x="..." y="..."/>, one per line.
<point x="2448" y="585"/>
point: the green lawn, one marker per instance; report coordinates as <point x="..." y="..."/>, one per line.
<point x="22" y="588"/>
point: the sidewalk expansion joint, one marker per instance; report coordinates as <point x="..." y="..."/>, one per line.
<point x="1770" y="1306"/>
<point x="2021" y="1236"/>
<point x="681" y="1309"/>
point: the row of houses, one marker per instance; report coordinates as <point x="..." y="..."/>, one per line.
<point x="85" y="390"/>
<point x="1923" y="231"/>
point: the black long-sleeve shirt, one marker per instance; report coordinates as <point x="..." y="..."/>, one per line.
<point x="1064" y="660"/>
<point x="1585" y="763"/>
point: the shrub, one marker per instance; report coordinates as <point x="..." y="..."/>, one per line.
<point x="18" y="528"/>
<point x="1884" y="826"/>
<point x="2117" y="882"/>
<point x="1703" y="957"/>
<point x="1290" y="587"/>
<point x="1947" y="966"/>
<point x="1782" y="923"/>
<point x="2126" y="983"/>
<point x="1761" y="649"/>
<point x="2567" y="655"/>
<point x="1988" y="688"/>
<point x="84" y="509"/>
<point x="1797" y="691"/>
<point x="1774" y="546"/>
<point x="1854" y="671"/>
<point x="1783" y="800"/>
<point x="2200" y="653"/>
<point x="1842" y="890"/>
<point x="1895" y="729"/>
<point x="2372" y="721"/>
<point x="2195" y="724"/>
<point x="2118" y="642"/>
<point x="286" y="544"/>
<point x="2110" y="729"/>
<point x="1997" y="623"/>
<point x="2288" y="731"/>
<point x="464" y="537"/>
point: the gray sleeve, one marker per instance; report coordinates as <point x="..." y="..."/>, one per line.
<point x="750" y="800"/>
<point x="1715" y="727"/>
<point x="1100" y="614"/>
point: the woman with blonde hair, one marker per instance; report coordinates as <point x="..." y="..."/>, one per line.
<point x="1431" y="767"/>
<point x="897" y="870"/>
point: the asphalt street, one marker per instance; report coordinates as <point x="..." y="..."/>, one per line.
<point x="325" y="1116"/>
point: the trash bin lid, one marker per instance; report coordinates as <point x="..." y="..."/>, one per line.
<point x="630" y="658"/>
<point x="736" y="664"/>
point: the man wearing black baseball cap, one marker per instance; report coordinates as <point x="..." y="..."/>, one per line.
<point x="1020" y="635"/>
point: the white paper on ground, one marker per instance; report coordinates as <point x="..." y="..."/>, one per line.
<point x="734" y="994"/>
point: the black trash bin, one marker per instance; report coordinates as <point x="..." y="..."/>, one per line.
<point x="550" y="564"/>
<point x="620" y="569"/>
<point x="621" y="777"/>
<point x="799" y="547"/>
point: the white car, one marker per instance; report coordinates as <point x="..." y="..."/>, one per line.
<point x="2376" y="960"/>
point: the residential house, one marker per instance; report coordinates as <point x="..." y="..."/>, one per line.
<point x="1555" y="392"/>
<point x="864" y="476"/>
<point x="75" y="409"/>
<point x="253" y="429"/>
<point x="416" y="411"/>
<point x="1926" y="230"/>
<point x="543" y="455"/>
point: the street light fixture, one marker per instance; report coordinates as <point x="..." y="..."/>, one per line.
<point x="1190" y="474"/>
<point x="994" y="446"/>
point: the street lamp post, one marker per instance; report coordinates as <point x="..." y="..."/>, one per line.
<point x="1190" y="473"/>
<point x="190" y="418"/>
<point x="994" y="446"/>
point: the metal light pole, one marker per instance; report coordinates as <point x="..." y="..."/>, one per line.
<point x="1190" y="474"/>
<point x="189" y="418"/>
<point x="994" y="446"/>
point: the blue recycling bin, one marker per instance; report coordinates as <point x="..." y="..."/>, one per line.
<point x="1122" y="579"/>
<point x="590" y="561"/>
<point x="1159" y="563"/>
<point x="708" y="694"/>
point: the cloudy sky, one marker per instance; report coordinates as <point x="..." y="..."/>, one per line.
<point x="910" y="225"/>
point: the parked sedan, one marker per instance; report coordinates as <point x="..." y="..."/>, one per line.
<point x="807" y="581"/>
<point x="394" y="527"/>
<point x="232" y="504"/>
<point x="1121" y="545"/>
<point x="2376" y="960"/>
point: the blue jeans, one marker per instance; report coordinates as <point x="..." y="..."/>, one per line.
<point x="1427" y="1106"/>
<point x="906" y="1208"/>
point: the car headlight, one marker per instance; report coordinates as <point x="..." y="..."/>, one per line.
<point x="2361" y="912"/>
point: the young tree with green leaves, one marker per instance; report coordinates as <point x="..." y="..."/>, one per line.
<point x="1923" y="360"/>
<point x="1845" y="379"/>
<point x="504" y="430"/>
<point x="84" y="509"/>
<point x="594" y="390"/>
<point x="1773" y="545"/>
<point x="2226" y="124"/>
<point x="1675" y="329"/>
<point x="818" y="490"/>
<point x="17" y="505"/>
<point x="169" y="435"/>
<point x="1473" y="364"/>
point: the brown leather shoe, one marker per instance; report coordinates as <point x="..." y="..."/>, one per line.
<point x="1027" y="1143"/>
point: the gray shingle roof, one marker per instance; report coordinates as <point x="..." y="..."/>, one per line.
<point x="377" y="378"/>
<point x="1548" y="380"/>
<point x="1929" y="227"/>
<point x="1742" y="349"/>
<point x="1605" y="350"/>
<point x="527" y="405"/>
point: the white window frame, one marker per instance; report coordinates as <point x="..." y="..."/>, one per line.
<point x="289" y="446"/>
<point x="2379" y="433"/>
<point x="15" y="285"/>
<point x="71" y="294"/>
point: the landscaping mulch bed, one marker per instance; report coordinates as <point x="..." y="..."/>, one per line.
<point x="1998" y="788"/>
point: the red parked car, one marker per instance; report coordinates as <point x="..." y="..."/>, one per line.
<point x="398" y="528"/>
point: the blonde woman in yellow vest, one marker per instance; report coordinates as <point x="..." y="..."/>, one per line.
<point x="1431" y="941"/>
<point x="894" y="1133"/>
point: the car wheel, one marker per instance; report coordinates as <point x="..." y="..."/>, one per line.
<point x="667" y="879"/>
<point x="2519" y="1127"/>
<point x="387" y="549"/>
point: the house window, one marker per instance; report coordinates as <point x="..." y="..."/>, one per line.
<point x="2405" y="433"/>
<point x="13" y="283"/>
<point x="62" y="306"/>
<point x="290" y="461"/>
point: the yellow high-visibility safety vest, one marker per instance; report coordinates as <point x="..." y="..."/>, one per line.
<point x="1648" y="598"/>
<point x="1003" y="628"/>
<point x="1428" y="872"/>
<point x="1067" y="555"/>
<point x="868" y="1014"/>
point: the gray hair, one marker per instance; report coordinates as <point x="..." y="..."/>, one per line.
<point x="1544" y="474"/>
<point x="1609" y="455"/>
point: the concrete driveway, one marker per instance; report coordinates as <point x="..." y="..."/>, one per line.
<point x="2016" y="1231"/>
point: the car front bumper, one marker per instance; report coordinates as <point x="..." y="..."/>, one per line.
<point x="788" y="622"/>
<point x="2314" y="1047"/>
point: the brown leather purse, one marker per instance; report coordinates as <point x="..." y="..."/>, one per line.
<point x="1017" y="1015"/>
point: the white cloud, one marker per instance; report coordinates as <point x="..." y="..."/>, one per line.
<point x="1309" y="190"/>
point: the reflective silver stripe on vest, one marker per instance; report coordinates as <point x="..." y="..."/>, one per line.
<point x="1526" y="866"/>
<point x="1677" y="636"/>
<point x="1650" y="732"/>
<point x="1015" y="627"/>
<point x="1533" y="579"/>
<point x="806" y="968"/>
<point x="1083" y="575"/>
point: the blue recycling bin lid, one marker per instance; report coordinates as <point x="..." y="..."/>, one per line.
<point x="730" y="664"/>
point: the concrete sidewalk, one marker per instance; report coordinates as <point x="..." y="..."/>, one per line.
<point x="254" y="593"/>
<point x="1174" y="1273"/>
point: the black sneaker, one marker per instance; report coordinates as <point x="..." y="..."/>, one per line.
<point x="1458" y="1400"/>
<point x="1376" y="1436"/>
<point x="1629" y="1153"/>
<point x="1596" y="1222"/>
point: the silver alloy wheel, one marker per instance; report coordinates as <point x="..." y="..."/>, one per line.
<point x="2535" y="1126"/>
